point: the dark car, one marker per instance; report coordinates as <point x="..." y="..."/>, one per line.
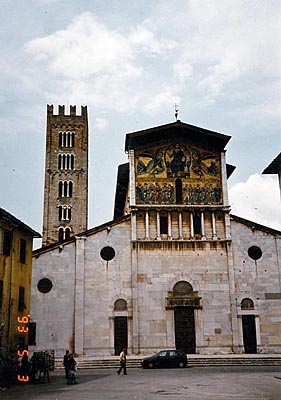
<point x="165" y="359"/>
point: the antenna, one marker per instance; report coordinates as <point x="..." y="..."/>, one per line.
<point x="176" y="111"/>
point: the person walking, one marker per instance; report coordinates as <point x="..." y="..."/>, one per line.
<point x="123" y="360"/>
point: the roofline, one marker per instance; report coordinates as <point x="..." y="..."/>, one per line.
<point x="255" y="225"/>
<point x="176" y="124"/>
<point x="88" y="232"/>
<point x="274" y="167"/>
<point x="7" y="216"/>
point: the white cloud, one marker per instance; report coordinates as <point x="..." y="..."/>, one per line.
<point x="101" y="123"/>
<point x="227" y="40"/>
<point x="258" y="200"/>
<point x="201" y="50"/>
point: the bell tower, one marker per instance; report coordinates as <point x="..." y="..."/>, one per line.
<point x="66" y="175"/>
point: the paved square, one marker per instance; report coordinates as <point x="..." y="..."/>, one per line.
<point x="228" y="383"/>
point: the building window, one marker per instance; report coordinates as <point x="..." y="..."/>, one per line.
<point x="64" y="233"/>
<point x="107" y="253"/>
<point x="66" y="161"/>
<point x="21" y="305"/>
<point x="65" y="188"/>
<point x="44" y="285"/>
<point x="120" y="305"/>
<point x="247" y="304"/>
<point x="5" y="242"/>
<point x="1" y="294"/>
<point x="23" y="251"/>
<point x="66" y="139"/>
<point x="67" y="233"/>
<point x="163" y="224"/>
<point x="182" y="288"/>
<point x="197" y="224"/>
<point x="178" y="191"/>
<point x="255" y="253"/>
<point x="65" y="213"/>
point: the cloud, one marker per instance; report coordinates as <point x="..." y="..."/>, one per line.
<point x="228" y="40"/>
<point x="94" y="64"/>
<point x="258" y="200"/>
<point x="203" y="50"/>
<point x="101" y="123"/>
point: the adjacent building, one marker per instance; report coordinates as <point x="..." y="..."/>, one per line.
<point x="173" y="269"/>
<point x="274" y="168"/>
<point x="16" y="240"/>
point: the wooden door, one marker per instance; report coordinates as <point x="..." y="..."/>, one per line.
<point x="185" y="329"/>
<point x="120" y="334"/>
<point x="249" y="334"/>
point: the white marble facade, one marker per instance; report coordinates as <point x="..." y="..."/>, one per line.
<point x="127" y="280"/>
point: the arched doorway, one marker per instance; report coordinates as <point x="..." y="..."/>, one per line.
<point x="183" y="299"/>
<point x="249" y="327"/>
<point x="120" y="326"/>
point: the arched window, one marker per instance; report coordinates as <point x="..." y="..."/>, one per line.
<point x="67" y="233"/>
<point x="182" y="288"/>
<point x="120" y="305"/>
<point x="64" y="233"/>
<point x="66" y="139"/>
<point x="61" y="234"/>
<point x="65" y="188"/>
<point x="247" y="304"/>
<point x="66" y="161"/>
<point x="70" y="189"/>
<point x="60" y="188"/>
<point x="178" y="191"/>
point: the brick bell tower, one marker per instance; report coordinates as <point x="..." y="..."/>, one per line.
<point x="66" y="175"/>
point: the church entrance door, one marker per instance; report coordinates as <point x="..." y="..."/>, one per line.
<point x="120" y="334"/>
<point x="249" y="334"/>
<point x="185" y="329"/>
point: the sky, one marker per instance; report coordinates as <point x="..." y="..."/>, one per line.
<point x="130" y="62"/>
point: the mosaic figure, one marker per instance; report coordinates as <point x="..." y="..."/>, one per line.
<point x="177" y="160"/>
<point x="154" y="166"/>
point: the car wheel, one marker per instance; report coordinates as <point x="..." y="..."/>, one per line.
<point x="150" y="365"/>
<point x="181" y="365"/>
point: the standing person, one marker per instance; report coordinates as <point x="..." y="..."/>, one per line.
<point x="123" y="360"/>
<point x="72" y="370"/>
<point x="65" y="363"/>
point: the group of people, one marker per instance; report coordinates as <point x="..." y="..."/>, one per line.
<point x="70" y="368"/>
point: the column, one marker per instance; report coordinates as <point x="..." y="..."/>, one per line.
<point x="134" y="225"/>
<point x="180" y="225"/>
<point x="191" y="226"/>
<point x="78" y="325"/>
<point x="158" y="225"/>
<point x="214" y="231"/>
<point x="135" y="303"/>
<point x="147" y="235"/>
<point x="203" y="226"/>
<point x="169" y="225"/>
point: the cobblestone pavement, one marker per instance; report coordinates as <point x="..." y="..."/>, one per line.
<point x="228" y="383"/>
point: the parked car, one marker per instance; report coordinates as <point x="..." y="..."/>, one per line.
<point x="165" y="359"/>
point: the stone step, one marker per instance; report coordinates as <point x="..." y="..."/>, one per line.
<point x="193" y="361"/>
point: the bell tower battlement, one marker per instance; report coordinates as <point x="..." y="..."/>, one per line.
<point x="66" y="174"/>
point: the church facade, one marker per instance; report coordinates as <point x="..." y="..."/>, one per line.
<point x="173" y="269"/>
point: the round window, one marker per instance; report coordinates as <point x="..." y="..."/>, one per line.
<point x="254" y="252"/>
<point x="44" y="285"/>
<point x="107" y="253"/>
